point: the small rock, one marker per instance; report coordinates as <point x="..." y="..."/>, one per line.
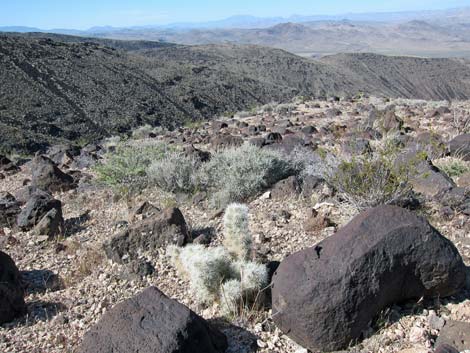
<point x="435" y="322"/>
<point x="417" y="334"/>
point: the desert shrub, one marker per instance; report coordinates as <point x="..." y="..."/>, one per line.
<point x="369" y="181"/>
<point x="461" y="122"/>
<point x="174" y="173"/>
<point x="125" y="168"/>
<point x="142" y="132"/>
<point x="318" y="163"/>
<point x="112" y="142"/>
<point x="235" y="174"/>
<point x="217" y="273"/>
<point x="285" y="108"/>
<point x="452" y="166"/>
<point x="237" y="237"/>
<point x="243" y="114"/>
<point x="193" y="124"/>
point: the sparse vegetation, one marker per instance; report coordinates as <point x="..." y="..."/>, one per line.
<point x="142" y="132"/>
<point x="174" y="173"/>
<point x="125" y="169"/>
<point x="235" y="174"/>
<point x="224" y="274"/>
<point x="369" y="181"/>
<point x="452" y="166"/>
<point x="237" y="238"/>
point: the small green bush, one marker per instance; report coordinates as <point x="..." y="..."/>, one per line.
<point x="125" y="169"/>
<point x="235" y="174"/>
<point x="453" y="167"/>
<point x="369" y="181"/>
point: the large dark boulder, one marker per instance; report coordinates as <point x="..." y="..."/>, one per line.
<point x="47" y="176"/>
<point x="460" y="146"/>
<point x="425" y="178"/>
<point x="167" y="227"/>
<point x="9" y="210"/>
<point x="152" y="323"/>
<point x="12" y="302"/>
<point x="38" y="206"/>
<point x="445" y="348"/>
<point x="324" y="297"/>
<point x="63" y="155"/>
<point x="222" y="141"/>
<point x="456" y="334"/>
<point x="286" y="188"/>
<point x="7" y="166"/>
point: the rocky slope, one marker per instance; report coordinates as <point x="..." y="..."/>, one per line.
<point x="407" y="76"/>
<point x="54" y="91"/>
<point x="70" y="284"/>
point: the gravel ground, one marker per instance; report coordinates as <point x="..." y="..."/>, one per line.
<point x="74" y="284"/>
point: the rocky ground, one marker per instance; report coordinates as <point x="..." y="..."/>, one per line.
<point x="70" y="283"/>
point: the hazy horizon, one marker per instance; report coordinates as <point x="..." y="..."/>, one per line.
<point x="53" y="14"/>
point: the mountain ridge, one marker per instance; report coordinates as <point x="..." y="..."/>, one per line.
<point x="71" y="91"/>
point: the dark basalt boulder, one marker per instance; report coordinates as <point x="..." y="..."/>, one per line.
<point x="152" y="323"/>
<point x="167" y="227"/>
<point x="383" y="256"/>
<point x="7" y="166"/>
<point x="47" y="176"/>
<point x="9" y="210"/>
<point x="63" y="155"/>
<point x="226" y="141"/>
<point x="455" y="334"/>
<point x="12" y="302"/>
<point x="37" y="207"/>
<point x="445" y="348"/>
<point x="460" y="147"/>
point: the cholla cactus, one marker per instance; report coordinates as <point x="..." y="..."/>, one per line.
<point x="245" y="291"/>
<point x="230" y="296"/>
<point x="237" y="237"/>
<point x="222" y="273"/>
<point x="253" y="277"/>
<point x="206" y="269"/>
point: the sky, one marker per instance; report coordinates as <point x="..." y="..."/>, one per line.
<point x="83" y="14"/>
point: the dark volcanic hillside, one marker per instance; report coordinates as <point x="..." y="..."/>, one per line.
<point x="406" y="76"/>
<point x="127" y="45"/>
<point x="53" y="91"/>
<point x="239" y="76"/>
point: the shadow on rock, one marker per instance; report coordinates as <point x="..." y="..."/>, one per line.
<point x="203" y="235"/>
<point x="41" y="311"/>
<point x="239" y="339"/>
<point x="40" y="281"/>
<point x="76" y="224"/>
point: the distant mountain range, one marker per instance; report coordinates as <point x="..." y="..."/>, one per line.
<point x="246" y="21"/>
<point x="439" y="33"/>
